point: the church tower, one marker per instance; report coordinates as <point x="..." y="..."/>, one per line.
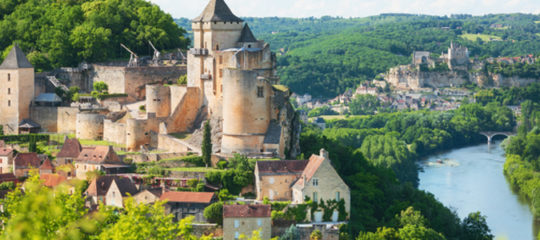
<point x="16" y="90"/>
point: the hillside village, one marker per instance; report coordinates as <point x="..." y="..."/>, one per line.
<point x="429" y="82"/>
<point x="136" y="130"/>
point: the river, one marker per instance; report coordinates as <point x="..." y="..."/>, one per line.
<point x="471" y="179"/>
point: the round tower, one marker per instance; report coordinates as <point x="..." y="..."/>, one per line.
<point x="246" y="111"/>
<point x="158" y="100"/>
<point x="89" y="125"/>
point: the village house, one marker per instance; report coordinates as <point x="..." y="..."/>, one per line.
<point x="294" y="180"/>
<point x="100" y="158"/>
<point x="46" y="167"/>
<point x="273" y="179"/>
<point x="110" y="190"/>
<point x="24" y="162"/>
<point x="320" y="181"/>
<point x="148" y="196"/>
<point x="70" y="151"/>
<point x="244" y="219"/>
<point x="183" y="204"/>
<point x="6" y="159"/>
<point x="52" y="180"/>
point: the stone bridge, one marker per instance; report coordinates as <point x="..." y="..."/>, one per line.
<point x="490" y="135"/>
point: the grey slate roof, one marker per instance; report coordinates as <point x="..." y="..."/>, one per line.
<point x="273" y="134"/>
<point x="48" y="97"/>
<point x="217" y="11"/>
<point x="16" y="59"/>
<point x="247" y="35"/>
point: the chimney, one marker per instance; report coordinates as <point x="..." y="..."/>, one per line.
<point x="323" y="153"/>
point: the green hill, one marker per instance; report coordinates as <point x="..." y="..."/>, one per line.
<point x="65" y="33"/>
<point x="325" y="56"/>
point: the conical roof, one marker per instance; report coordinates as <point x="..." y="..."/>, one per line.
<point x="247" y="35"/>
<point x="16" y="59"/>
<point x="217" y="11"/>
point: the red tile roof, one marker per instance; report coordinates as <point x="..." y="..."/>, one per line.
<point x="26" y="160"/>
<point x="7" y="177"/>
<point x="71" y="149"/>
<point x="5" y="151"/>
<point x="284" y="166"/>
<point x="99" y="155"/>
<point x="46" y="165"/>
<point x="189" y="197"/>
<point x="315" y="162"/>
<point x="52" y="180"/>
<point x="100" y="186"/>
<point x="246" y="211"/>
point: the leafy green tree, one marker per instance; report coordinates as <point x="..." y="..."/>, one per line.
<point x="32" y="144"/>
<point x="412" y="217"/>
<point x="101" y="87"/>
<point x="475" y="227"/>
<point x="315" y="235"/>
<point x="206" y="145"/>
<point x="214" y="213"/>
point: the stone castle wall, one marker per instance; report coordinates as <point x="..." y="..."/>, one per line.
<point x="158" y="100"/>
<point x="55" y="119"/>
<point x="114" y="132"/>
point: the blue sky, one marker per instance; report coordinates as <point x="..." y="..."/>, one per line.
<point x="351" y="8"/>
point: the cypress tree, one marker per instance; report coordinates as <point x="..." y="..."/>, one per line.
<point x="207" y="144"/>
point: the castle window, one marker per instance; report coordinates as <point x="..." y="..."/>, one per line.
<point x="9" y="91"/>
<point x="220" y="72"/>
<point x="249" y="45"/>
<point x="338" y="197"/>
<point x="9" y="103"/>
<point x="315" y="197"/>
<point x="220" y="59"/>
<point x="217" y="47"/>
<point x="9" y="77"/>
<point x="315" y="182"/>
<point x="260" y="92"/>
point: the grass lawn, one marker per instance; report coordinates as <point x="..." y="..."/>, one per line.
<point x="194" y="169"/>
<point x="484" y="37"/>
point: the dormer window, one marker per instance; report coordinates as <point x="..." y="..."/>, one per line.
<point x="315" y="182"/>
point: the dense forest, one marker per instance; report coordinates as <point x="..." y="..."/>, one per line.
<point x="522" y="166"/>
<point x="65" y="33"/>
<point x="325" y="56"/>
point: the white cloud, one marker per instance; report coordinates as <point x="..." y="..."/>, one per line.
<point x="354" y="8"/>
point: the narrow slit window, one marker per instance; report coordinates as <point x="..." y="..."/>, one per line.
<point x="260" y="92"/>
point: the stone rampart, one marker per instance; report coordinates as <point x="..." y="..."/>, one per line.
<point x="55" y="119"/>
<point x="114" y="132"/>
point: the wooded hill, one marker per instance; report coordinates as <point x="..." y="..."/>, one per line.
<point x="325" y="56"/>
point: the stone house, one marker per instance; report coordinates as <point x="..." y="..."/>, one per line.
<point x="100" y="158"/>
<point x="24" y="162"/>
<point x="148" y="196"/>
<point x="110" y="190"/>
<point x="320" y="181"/>
<point x="244" y="219"/>
<point x="183" y="204"/>
<point x="69" y="152"/>
<point x="273" y="179"/>
<point x="6" y="160"/>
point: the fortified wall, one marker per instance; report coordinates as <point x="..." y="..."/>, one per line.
<point x="55" y="119"/>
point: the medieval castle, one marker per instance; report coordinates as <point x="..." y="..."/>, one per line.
<point x="231" y="81"/>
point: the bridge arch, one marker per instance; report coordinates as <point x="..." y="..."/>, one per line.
<point x="490" y="135"/>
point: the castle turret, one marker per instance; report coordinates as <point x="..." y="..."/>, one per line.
<point x="16" y="90"/>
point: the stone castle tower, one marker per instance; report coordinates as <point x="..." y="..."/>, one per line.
<point x="457" y="56"/>
<point x="16" y="90"/>
<point x="236" y="74"/>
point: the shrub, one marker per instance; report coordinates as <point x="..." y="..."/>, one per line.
<point x="214" y="213"/>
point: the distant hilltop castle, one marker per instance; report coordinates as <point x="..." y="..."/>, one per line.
<point x="231" y="80"/>
<point x="451" y="69"/>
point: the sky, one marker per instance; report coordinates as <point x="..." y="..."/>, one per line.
<point x="350" y="8"/>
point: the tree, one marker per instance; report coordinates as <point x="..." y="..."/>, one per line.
<point x="315" y="235"/>
<point x="214" y="213"/>
<point x="207" y="144"/>
<point x="475" y="227"/>
<point x="411" y="217"/>
<point x="101" y="87"/>
<point x="32" y="145"/>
